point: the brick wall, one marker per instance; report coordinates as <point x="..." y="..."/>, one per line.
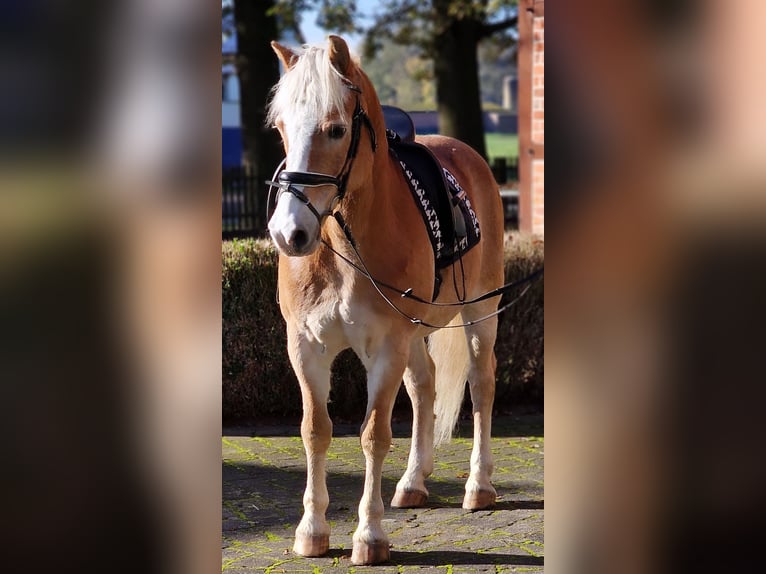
<point x="538" y="123"/>
<point x="532" y="116"/>
<point x="538" y="80"/>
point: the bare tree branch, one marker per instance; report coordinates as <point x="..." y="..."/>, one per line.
<point x="489" y="29"/>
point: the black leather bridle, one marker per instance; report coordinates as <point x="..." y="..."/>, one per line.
<point x="287" y="180"/>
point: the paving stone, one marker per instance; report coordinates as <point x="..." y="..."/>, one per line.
<point x="263" y="482"/>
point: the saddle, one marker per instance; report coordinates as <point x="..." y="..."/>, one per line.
<point x="446" y="210"/>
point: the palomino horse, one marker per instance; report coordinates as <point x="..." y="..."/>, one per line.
<point x="338" y="161"/>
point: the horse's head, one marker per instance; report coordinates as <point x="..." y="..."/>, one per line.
<point x="318" y="109"/>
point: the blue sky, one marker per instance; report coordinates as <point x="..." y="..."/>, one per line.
<point x="315" y="35"/>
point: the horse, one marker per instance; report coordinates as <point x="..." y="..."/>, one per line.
<point x="348" y="232"/>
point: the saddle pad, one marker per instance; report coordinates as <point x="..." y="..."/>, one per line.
<point x="450" y="220"/>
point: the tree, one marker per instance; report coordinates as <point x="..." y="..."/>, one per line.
<point x="258" y="22"/>
<point x="332" y="15"/>
<point x="401" y="77"/>
<point x="258" y="71"/>
<point x="448" y="32"/>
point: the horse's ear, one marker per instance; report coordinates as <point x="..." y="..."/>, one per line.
<point x="285" y="54"/>
<point x="339" y="56"/>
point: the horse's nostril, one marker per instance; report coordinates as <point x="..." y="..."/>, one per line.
<point x="299" y="239"/>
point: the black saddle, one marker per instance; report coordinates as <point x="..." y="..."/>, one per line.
<point x="399" y="122"/>
<point x="449" y="218"/>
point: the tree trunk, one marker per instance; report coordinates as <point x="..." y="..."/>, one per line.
<point x="258" y="71"/>
<point x="456" y="70"/>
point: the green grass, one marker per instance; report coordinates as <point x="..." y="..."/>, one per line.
<point x="502" y="145"/>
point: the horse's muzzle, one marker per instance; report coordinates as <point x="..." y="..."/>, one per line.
<point x="293" y="228"/>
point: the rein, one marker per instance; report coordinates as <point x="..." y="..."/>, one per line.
<point x="362" y="268"/>
<point x="287" y="180"/>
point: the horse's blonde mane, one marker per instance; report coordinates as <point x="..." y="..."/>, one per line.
<point x="311" y="88"/>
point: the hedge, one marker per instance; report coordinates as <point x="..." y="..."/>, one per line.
<point x="258" y="380"/>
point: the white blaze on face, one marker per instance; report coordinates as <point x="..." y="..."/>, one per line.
<point x="292" y="217"/>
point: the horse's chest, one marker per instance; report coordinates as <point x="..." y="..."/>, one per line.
<point x="334" y="324"/>
<point x="331" y="314"/>
<point x="338" y="323"/>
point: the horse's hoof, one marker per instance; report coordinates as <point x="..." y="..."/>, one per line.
<point x="374" y="553"/>
<point x="479" y="499"/>
<point x="311" y="546"/>
<point x="409" y="499"/>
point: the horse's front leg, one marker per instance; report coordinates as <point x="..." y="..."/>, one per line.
<point x="312" y="367"/>
<point x="384" y="375"/>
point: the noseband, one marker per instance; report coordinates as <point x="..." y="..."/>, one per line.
<point x="287" y="180"/>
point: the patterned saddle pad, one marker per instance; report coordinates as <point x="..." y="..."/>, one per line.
<point x="447" y="213"/>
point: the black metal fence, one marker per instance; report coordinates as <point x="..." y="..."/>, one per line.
<point x="243" y="204"/>
<point x="244" y="198"/>
<point x="505" y="170"/>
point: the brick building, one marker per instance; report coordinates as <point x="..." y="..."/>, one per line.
<point x="532" y="116"/>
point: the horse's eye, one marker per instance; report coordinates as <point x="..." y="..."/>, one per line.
<point x="337" y="132"/>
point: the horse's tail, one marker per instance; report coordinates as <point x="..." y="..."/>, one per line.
<point x="449" y="350"/>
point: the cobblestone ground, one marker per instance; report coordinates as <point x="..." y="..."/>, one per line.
<point x="264" y="477"/>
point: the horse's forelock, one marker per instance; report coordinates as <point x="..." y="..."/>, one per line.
<point x="312" y="88"/>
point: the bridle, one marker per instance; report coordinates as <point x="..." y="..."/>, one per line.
<point x="287" y="180"/>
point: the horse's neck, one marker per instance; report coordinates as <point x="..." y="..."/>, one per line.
<point x="368" y="208"/>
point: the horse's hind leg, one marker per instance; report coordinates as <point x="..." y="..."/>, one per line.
<point x="411" y="491"/>
<point x="479" y="492"/>
<point x="312" y="537"/>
